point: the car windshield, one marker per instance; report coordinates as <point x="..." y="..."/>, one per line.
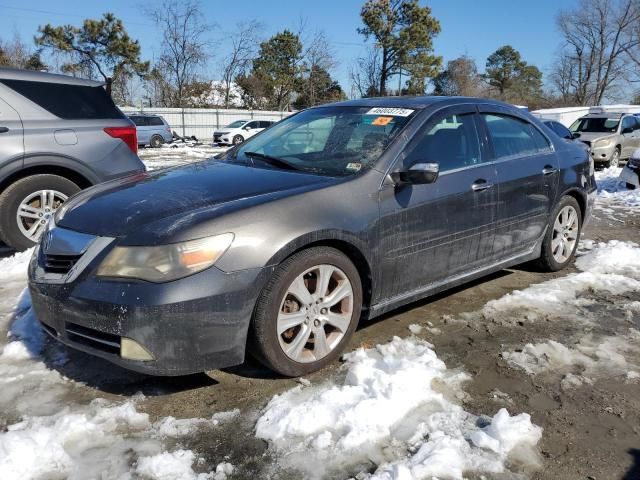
<point x="236" y="124"/>
<point x="335" y="141"/>
<point x="596" y="124"/>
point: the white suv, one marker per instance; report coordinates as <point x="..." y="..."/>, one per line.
<point x="238" y="131"/>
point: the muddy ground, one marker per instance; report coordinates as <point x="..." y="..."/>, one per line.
<point x="590" y="432"/>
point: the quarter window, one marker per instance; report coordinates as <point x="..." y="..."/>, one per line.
<point x="452" y="142"/>
<point x="513" y="137"/>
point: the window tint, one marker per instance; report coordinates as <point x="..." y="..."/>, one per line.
<point x="252" y="125"/>
<point x="155" y="121"/>
<point x="265" y="124"/>
<point x="451" y="141"/>
<point x="72" y="102"/>
<point x="513" y="137"/>
<point x="136" y="120"/>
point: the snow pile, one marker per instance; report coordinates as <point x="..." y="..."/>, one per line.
<point x="612" y="267"/>
<point x="614" y="193"/>
<point x="583" y="362"/>
<point x="397" y="401"/>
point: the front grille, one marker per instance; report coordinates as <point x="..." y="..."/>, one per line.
<point x="89" y="337"/>
<point x="50" y="330"/>
<point x="59" y="263"/>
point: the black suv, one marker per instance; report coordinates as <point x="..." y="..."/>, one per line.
<point x="279" y="246"/>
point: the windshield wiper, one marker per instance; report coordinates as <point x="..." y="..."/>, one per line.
<point x="277" y="162"/>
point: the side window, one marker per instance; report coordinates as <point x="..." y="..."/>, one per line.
<point x="135" y="120"/>
<point x="562" y="131"/>
<point x="628" y="122"/>
<point x="155" y="121"/>
<point x="450" y="141"/>
<point x="251" y="125"/>
<point x="513" y="137"/>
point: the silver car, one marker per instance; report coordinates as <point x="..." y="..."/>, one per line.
<point x="58" y="135"/>
<point x="612" y="137"/>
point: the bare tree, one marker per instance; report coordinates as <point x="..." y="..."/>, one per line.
<point x="365" y="73"/>
<point x="319" y="61"/>
<point x="244" y="48"/>
<point x="184" y="43"/>
<point x="600" y="36"/>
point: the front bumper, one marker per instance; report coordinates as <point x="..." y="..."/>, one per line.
<point x="190" y="325"/>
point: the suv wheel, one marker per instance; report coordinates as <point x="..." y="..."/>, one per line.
<point x="308" y="311"/>
<point x="615" y="159"/>
<point x="156" y="141"/>
<point x="238" y="139"/>
<point x="561" y="240"/>
<point x="27" y="205"/>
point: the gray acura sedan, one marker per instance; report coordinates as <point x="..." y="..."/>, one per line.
<point x="281" y="245"/>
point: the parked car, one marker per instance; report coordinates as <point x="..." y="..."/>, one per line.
<point x="58" y="135"/>
<point x="612" y="137"/>
<point x="237" y="132"/>
<point x="630" y="174"/>
<point x="278" y="246"/>
<point x="153" y="130"/>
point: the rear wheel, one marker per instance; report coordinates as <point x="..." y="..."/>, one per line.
<point x="307" y="313"/>
<point x="156" y="141"/>
<point x="27" y="205"/>
<point x="238" y="139"/>
<point x="561" y="240"/>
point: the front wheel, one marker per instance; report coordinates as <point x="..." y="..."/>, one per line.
<point x="615" y="159"/>
<point x="27" y="205"/>
<point x="561" y="240"/>
<point x="307" y="312"/>
<point x="238" y="139"/>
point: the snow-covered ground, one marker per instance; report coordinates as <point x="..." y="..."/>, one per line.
<point x="614" y="198"/>
<point x="170" y="155"/>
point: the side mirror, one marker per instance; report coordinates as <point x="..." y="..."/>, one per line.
<point x="246" y="128"/>
<point x="627" y="130"/>
<point x="418" y="174"/>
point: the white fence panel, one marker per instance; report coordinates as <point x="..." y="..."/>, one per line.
<point x="201" y="122"/>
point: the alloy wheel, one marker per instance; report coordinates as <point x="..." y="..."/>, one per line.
<point x="35" y="210"/>
<point x="565" y="234"/>
<point x="315" y="313"/>
<point x="615" y="159"/>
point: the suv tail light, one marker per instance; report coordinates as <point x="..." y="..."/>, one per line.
<point x="127" y="134"/>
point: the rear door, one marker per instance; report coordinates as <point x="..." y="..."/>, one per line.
<point x="629" y="130"/>
<point x="436" y="231"/>
<point x="528" y="172"/>
<point x="11" y="139"/>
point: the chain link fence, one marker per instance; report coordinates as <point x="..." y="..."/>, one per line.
<point x="201" y="122"/>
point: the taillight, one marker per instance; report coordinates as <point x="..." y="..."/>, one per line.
<point x="127" y="134"/>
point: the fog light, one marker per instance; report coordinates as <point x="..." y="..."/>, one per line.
<point x="132" y="350"/>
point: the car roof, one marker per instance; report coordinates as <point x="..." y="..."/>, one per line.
<point x="35" y="76"/>
<point x="414" y="102"/>
<point x="605" y="115"/>
<point x="143" y="115"/>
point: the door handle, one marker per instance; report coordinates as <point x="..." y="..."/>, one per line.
<point x="481" y="185"/>
<point x="549" y="170"/>
<point x="4" y="129"/>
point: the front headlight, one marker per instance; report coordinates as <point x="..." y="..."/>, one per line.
<point x="165" y="262"/>
<point x="604" y="143"/>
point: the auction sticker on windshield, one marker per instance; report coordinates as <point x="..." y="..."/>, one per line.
<point x="396" y="112"/>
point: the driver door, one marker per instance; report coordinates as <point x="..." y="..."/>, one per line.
<point x="430" y="233"/>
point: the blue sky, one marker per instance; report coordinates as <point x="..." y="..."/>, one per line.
<point x="473" y="27"/>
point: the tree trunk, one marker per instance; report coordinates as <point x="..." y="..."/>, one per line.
<point x="383" y="74"/>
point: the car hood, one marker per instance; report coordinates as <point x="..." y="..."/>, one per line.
<point x="156" y="205"/>
<point x="222" y="132"/>
<point x="593" y="136"/>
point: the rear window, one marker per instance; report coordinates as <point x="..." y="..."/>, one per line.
<point x="71" y="102"/>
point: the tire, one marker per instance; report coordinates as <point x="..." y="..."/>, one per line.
<point x="631" y="186"/>
<point x="238" y="139"/>
<point x="156" y="141"/>
<point x="615" y="159"/>
<point x="269" y="347"/>
<point x="549" y="262"/>
<point x="19" y="191"/>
